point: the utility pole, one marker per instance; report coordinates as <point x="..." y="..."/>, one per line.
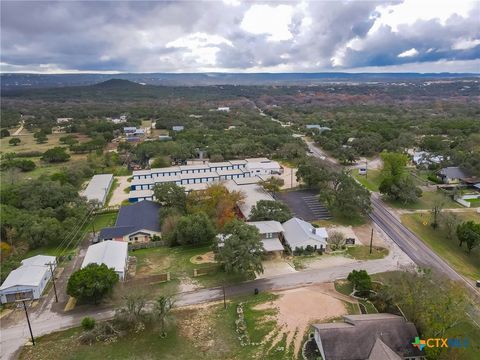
<point x="53" y="281"/>
<point x="28" y="320"/>
<point x="371" y="241"/>
<point x="366" y="169"/>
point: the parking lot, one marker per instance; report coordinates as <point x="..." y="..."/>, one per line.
<point x="305" y="205"/>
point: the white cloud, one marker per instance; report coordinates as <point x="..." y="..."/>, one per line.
<point x="271" y="20"/>
<point x="465" y="44"/>
<point x="408" y="53"/>
<point x="411" y="11"/>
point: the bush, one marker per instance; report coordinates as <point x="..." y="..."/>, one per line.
<point x="88" y="323"/>
<point x="361" y="281"/>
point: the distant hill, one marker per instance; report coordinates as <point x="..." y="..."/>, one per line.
<point x="117" y="84"/>
<point x="22" y="81"/>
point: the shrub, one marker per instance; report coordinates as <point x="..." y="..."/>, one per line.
<point x="88" y="323"/>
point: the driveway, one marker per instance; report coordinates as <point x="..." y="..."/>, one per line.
<point x="119" y="195"/>
<point x="304" y="204"/>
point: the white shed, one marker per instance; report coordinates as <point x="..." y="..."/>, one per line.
<point x="29" y="280"/>
<point x="112" y="253"/>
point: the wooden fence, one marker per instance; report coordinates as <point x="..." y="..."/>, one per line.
<point x="146" y="245"/>
<point x="205" y="271"/>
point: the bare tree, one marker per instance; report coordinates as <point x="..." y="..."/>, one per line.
<point x="161" y="310"/>
<point x="336" y="239"/>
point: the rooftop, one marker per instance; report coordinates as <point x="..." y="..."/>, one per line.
<point x="369" y="336"/>
<point x="299" y="233"/>
<point x="265" y="227"/>
<point x="30" y="273"/>
<point x="111" y="253"/>
<point x="98" y="187"/>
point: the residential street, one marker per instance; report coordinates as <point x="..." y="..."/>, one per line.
<point x="12" y="338"/>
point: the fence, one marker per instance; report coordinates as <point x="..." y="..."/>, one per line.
<point x="151" y="279"/>
<point x="146" y="245"/>
<point x="107" y="209"/>
<point x="205" y="271"/>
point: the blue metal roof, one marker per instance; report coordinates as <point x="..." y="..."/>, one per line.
<point x="131" y="218"/>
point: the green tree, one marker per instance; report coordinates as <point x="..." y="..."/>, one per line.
<point x="360" y="280"/>
<point x="14" y="141"/>
<point x="194" y="229"/>
<point x="345" y="196"/>
<point x="171" y="195"/>
<point x="312" y="173"/>
<point x="396" y="183"/>
<point x="469" y="232"/>
<point x="241" y="252"/>
<point x="55" y="155"/>
<point x="272" y="184"/>
<point x="4" y="133"/>
<point x="40" y="136"/>
<point x="92" y="283"/>
<point x="270" y="210"/>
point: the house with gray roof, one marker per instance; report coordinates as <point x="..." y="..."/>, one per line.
<point x="271" y="235"/>
<point x="455" y="175"/>
<point x="29" y="280"/>
<point x="114" y="254"/>
<point x="138" y="222"/>
<point x="298" y="233"/>
<point x="368" y="337"/>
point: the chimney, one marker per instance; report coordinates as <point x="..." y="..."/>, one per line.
<point x="314" y="231"/>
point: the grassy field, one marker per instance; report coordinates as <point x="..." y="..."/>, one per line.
<point x="371" y="181"/>
<point x="177" y="261"/>
<point x="195" y="333"/>
<point x="363" y="252"/>
<point x="29" y="143"/>
<point x="467" y="264"/>
<point x="426" y="202"/>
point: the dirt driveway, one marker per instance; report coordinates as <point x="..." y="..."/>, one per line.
<point x="275" y="267"/>
<point x="119" y="195"/>
<point x="318" y="304"/>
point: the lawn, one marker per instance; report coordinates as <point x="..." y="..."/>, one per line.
<point x="195" y="333"/>
<point x="466" y="264"/>
<point x="363" y="252"/>
<point x="104" y="220"/>
<point x="371" y="181"/>
<point x="177" y="261"/>
<point x="426" y="202"/>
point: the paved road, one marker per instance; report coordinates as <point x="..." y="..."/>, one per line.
<point x="12" y="338"/>
<point x="415" y="248"/>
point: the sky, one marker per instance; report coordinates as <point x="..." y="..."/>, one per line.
<point x="240" y="36"/>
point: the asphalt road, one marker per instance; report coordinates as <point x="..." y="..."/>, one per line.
<point x="13" y="337"/>
<point x="415" y="248"/>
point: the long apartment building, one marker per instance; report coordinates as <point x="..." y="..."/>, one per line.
<point x="195" y="177"/>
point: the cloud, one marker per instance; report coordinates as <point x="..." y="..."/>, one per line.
<point x="193" y="36"/>
<point x="408" y="53"/>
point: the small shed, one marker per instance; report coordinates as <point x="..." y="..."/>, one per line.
<point x="29" y="280"/>
<point x="112" y="253"/>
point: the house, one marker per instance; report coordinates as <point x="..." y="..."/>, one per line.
<point x="98" y="188"/>
<point x="178" y="128"/>
<point x="164" y="137"/>
<point x="129" y="129"/>
<point x="263" y="166"/>
<point x="223" y="108"/>
<point x="453" y="175"/>
<point x="318" y="127"/>
<point x="367" y="337"/>
<point x="29" y="280"/>
<point x="114" y="254"/>
<point x="135" y="223"/>
<point x="271" y="234"/>
<point x="63" y="120"/>
<point x="426" y="158"/>
<point x="300" y="234"/>
<point x="252" y="191"/>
